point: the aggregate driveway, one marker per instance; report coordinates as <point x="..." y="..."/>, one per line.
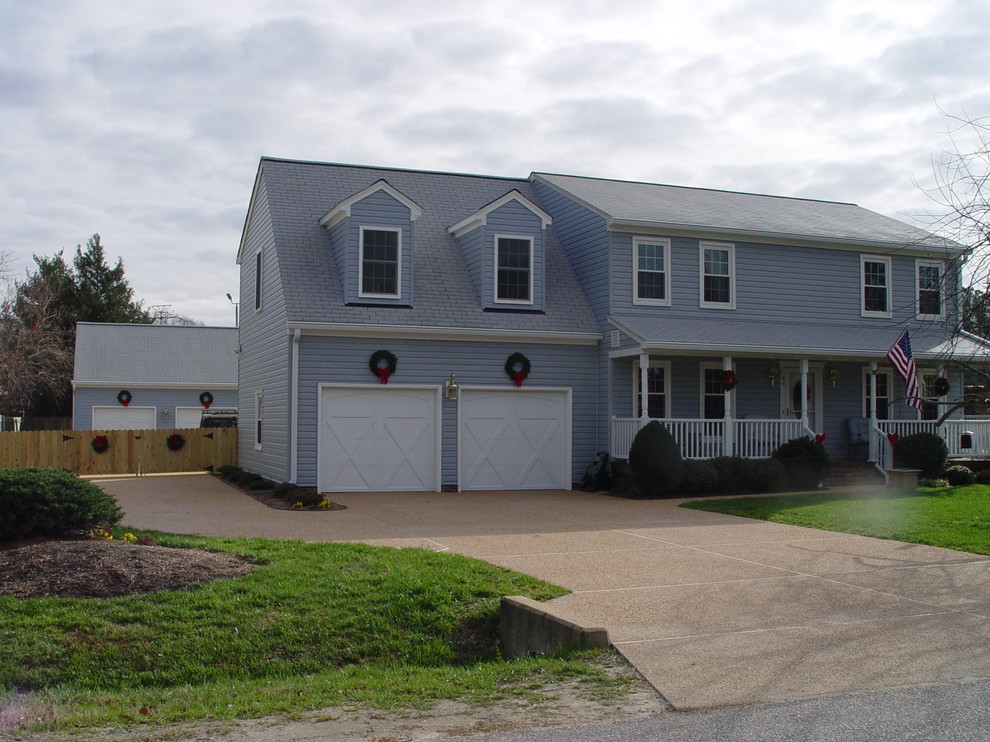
<point x="712" y="609"/>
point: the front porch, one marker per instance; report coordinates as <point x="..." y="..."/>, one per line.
<point x="757" y="439"/>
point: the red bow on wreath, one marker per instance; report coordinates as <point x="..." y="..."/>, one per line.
<point x="892" y="437"/>
<point x="820" y="438"/>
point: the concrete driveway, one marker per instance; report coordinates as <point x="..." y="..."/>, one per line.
<point x="713" y="610"/>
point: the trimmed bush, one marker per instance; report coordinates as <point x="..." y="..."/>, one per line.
<point x="700" y="477"/>
<point x="227" y="471"/>
<point x="771" y="476"/>
<point x="925" y="451"/>
<point x="655" y="461"/>
<point x="958" y="475"/>
<point x="48" y="502"/>
<point x="983" y="476"/>
<point x="260" y="484"/>
<point x="805" y="461"/>
<point x="736" y="475"/>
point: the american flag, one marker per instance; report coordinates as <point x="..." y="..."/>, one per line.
<point x="900" y="356"/>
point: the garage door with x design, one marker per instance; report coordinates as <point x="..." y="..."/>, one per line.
<point x="514" y="439"/>
<point x="379" y="439"/>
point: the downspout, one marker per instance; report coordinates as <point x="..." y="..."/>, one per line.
<point x="294" y="409"/>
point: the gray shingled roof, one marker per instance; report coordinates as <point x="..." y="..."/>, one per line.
<point x="706" y="335"/>
<point x="742" y="214"/>
<point x="161" y="354"/>
<point x="300" y="193"/>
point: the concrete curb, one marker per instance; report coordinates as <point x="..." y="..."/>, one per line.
<point x="527" y="627"/>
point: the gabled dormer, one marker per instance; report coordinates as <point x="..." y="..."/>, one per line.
<point x="504" y="247"/>
<point x="371" y="234"/>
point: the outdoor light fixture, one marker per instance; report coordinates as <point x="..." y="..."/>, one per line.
<point x="772" y="373"/>
<point x="165" y="413"/>
<point x="833" y="376"/>
<point x="452" y="388"/>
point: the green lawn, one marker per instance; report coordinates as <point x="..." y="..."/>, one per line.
<point x="315" y="625"/>
<point x="951" y="517"/>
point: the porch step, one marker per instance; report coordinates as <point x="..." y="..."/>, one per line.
<point x="845" y="474"/>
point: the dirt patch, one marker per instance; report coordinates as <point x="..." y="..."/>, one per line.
<point x="100" y="568"/>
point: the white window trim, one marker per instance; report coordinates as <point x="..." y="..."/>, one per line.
<point x="922" y="373"/>
<point x="259" y="282"/>
<point x="532" y="257"/>
<point x="258" y="419"/>
<point x="866" y="390"/>
<point x="665" y="365"/>
<point x="731" y="249"/>
<point x="702" y="367"/>
<point x="863" y="260"/>
<point x="917" y="288"/>
<point x="398" y="260"/>
<point x="665" y="244"/>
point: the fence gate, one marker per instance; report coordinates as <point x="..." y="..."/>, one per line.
<point x="127" y="451"/>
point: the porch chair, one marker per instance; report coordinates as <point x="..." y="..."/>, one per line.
<point x="859" y="434"/>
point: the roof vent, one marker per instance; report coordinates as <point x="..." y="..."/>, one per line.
<point x="615" y="338"/>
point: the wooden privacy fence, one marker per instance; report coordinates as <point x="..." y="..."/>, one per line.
<point x="128" y="451"/>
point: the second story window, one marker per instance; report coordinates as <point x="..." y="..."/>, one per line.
<point x="930" y="290"/>
<point x="651" y="272"/>
<point x="380" y="249"/>
<point x="876" y="286"/>
<point x="257" y="281"/>
<point x="514" y="270"/>
<point x="718" y="275"/>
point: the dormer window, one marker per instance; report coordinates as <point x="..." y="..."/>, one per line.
<point x="514" y="269"/>
<point x="380" y="258"/>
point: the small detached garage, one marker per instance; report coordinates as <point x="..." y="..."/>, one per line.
<point x="141" y="377"/>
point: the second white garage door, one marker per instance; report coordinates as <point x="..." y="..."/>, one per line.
<point x="379" y="439"/>
<point x="123" y="418"/>
<point x="511" y="439"/>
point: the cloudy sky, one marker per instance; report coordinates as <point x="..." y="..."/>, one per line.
<point x="145" y="121"/>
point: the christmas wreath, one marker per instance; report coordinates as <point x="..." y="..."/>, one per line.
<point x="382" y="364"/>
<point x="941" y="386"/>
<point x="124" y="397"/>
<point x="175" y="442"/>
<point x="101" y="443"/>
<point x="729" y="381"/>
<point x="206" y="399"/>
<point x="517" y="366"/>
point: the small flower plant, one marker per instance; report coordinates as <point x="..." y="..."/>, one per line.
<point x="129" y="537"/>
<point x="297" y="505"/>
<point x="325" y="505"/>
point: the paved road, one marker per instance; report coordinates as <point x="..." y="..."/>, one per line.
<point x="959" y="712"/>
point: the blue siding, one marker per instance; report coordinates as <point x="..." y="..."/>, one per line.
<point x="84" y="398"/>
<point x="345" y="360"/>
<point x="378" y="209"/>
<point x="513" y="219"/>
<point x="263" y="361"/>
<point x="471" y="245"/>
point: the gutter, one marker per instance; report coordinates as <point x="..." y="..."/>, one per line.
<point x="294" y="409"/>
<point x="469" y="334"/>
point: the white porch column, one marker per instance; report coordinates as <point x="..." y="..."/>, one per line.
<point x="873" y="410"/>
<point x="804" y="392"/>
<point x="727" y="438"/>
<point x="644" y="388"/>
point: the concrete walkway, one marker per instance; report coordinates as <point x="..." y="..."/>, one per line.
<point x="712" y="609"/>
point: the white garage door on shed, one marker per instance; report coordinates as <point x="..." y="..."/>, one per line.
<point x="123" y="418"/>
<point x="379" y="439"/>
<point x="514" y="439"/>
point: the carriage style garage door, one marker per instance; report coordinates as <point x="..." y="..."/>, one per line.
<point x="514" y="439"/>
<point x="379" y="439"/>
<point x="123" y="418"/>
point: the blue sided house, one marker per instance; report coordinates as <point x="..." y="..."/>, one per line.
<point x="147" y="377"/>
<point x="407" y="330"/>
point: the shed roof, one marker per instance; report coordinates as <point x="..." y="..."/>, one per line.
<point x="167" y="355"/>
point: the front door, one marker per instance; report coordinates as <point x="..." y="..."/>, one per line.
<point x="790" y="396"/>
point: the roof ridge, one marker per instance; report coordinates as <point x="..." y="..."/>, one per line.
<point x="292" y="161"/>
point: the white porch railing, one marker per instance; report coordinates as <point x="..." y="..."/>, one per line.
<point x="963" y="438"/>
<point x="705" y="439"/>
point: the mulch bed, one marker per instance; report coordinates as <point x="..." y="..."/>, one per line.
<point x="100" y="568"/>
<point x="267" y="497"/>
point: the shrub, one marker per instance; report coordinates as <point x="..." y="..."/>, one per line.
<point x="736" y="475"/>
<point x="700" y="478"/>
<point x="805" y="461"/>
<point x="307" y="496"/>
<point x="771" y="476"/>
<point x="655" y="461"/>
<point x="260" y="484"/>
<point x="47" y="502"/>
<point x="934" y="483"/>
<point x="245" y="478"/>
<point x="925" y="451"/>
<point x="983" y="476"/>
<point x="283" y="490"/>
<point x="227" y="471"/>
<point x="958" y="475"/>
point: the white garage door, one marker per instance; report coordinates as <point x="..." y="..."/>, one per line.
<point x="514" y="439"/>
<point x="188" y="417"/>
<point x="123" y="418"/>
<point x="379" y="439"/>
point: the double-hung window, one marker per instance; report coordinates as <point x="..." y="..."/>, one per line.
<point x="258" y="415"/>
<point x="718" y="275"/>
<point x="712" y="392"/>
<point x="883" y="396"/>
<point x="657" y="389"/>
<point x="651" y="271"/>
<point x="257" y="281"/>
<point x="930" y="290"/>
<point x="381" y="251"/>
<point x="875" y="284"/>
<point x="514" y="269"/>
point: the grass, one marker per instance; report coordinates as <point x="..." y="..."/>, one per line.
<point x="950" y="517"/>
<point x="314" y="625"/>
